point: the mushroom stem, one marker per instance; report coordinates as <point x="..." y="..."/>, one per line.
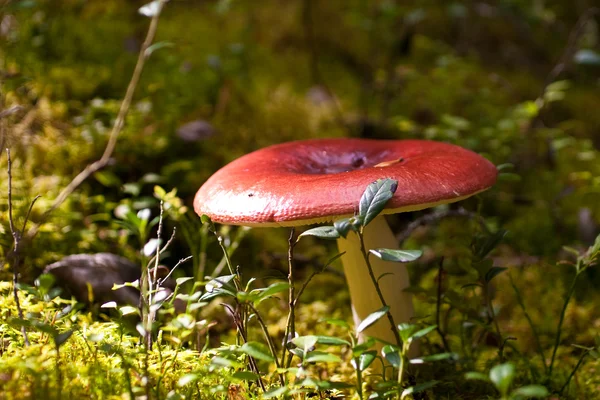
<point x="365" y="300"/>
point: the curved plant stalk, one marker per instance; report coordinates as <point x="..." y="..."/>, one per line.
<point x="270" y="342"/>
<point x="390" y="318"/>
<point x="17" y="234"/>
<point x="572" y="374"/>
<point x="290" y="326"/>
<point x="117" y="127"/>
<point x="560" y="324"/>
<point x="536" y="336"/>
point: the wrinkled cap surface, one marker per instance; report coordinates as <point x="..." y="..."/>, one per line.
<point x="311" y="181"/>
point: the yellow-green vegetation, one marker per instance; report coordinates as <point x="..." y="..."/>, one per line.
<point x="505" y="288"/>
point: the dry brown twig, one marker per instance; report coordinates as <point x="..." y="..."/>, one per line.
<point x="117" y="127"/>
<point x="16" y="234"/>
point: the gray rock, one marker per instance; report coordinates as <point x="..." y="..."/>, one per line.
<point x="90" y="278"/>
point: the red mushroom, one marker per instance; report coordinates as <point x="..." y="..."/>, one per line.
<point x="314" y="181"/>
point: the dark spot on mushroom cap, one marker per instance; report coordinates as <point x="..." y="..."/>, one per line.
<point x="310" y="180"/>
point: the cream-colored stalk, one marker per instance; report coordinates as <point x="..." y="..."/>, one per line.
<point x="377" y="234"/>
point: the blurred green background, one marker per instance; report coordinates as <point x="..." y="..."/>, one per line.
<point x="517" y="81"/>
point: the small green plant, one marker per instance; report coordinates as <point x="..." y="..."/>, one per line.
<point x="502" y="377"/>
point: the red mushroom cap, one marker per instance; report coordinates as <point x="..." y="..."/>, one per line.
<point x="311" y="181"/>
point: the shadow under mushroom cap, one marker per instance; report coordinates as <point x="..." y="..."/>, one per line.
<point x="311" y="181"/>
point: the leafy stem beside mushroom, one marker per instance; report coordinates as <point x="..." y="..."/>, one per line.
<point x="371" y="204"/>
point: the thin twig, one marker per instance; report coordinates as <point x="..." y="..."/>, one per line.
<point x="572" y="374"/>
<point x="435" y="217"/>
<point x="490" y="310"/>
<point x="269" y="339"/>
<point x="320" y="270"/>
<point x="240" y="234"/>
<point x="560" y="324"/>
<point x="16" y="242"/>
<point x="290" y="331"/>
<point x="536" y="336"/>
<point x="251" y="361"/>
<point x="439" y="307"/>
<point x="162" y="280"/>
<point x="117" y="127"/>
<point x="164" y="248"/>
<point x="10" y="111"/>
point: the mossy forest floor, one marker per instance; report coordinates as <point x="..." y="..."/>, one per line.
<point x="505" y="291"/>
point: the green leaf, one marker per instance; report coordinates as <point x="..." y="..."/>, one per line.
<point x="336" y="321"/>
<point x="343" y="226"/>
<point x="477" y="376"/>
<point x="494" y="272"/>
<point x="126" y="310"/>
<point x="490" y="243"/>
<point x="156" y="46"/>
<point x="397" y="255"/>
<point x="502" y="376"/>
<point x="256" y="350"/>
<point x="187" y="379"/>
<point x="306" y="343"/>
<point x="375" y="197"/>
<point x="330" y="385"/>
<point x="62" y="337"/>
<point x="225" y="362"/>
<point x="537" y="391"/>
<point x="159" y="192"/>
<point x="418" y="388"/>
<point x="133" y="189"/>
<point x="107" y="178"/>
<point x="46" y="328"/>
<point x="320" y="356"/>
<point x="219" y="286"/>
<point x="406" y="330"/>
<point x="245" y="376"/>
<point x="502" y="167"/>
<point x="96" y="337"/>
<point x="273" y="289"/>
<point x="364" y="360"/>
<point x="434" y="357"/>
<point x="423" y="332"/>
<point x="44" y="282"/>
<point x="333" y="259"/>
<point x="363" y="347"/>
<point x="332" y="341"/>
<point x="392" y="355"/>
<point x="509" y="177"/>
<point x="322" y="232"/>
<point x="182" y="280"/>
<point x="473" y="284"/>
<point x="372" y="318"/>
<point x="275" y="392"/>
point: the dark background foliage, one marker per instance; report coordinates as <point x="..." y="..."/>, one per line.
<point x="517" y="81"/>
